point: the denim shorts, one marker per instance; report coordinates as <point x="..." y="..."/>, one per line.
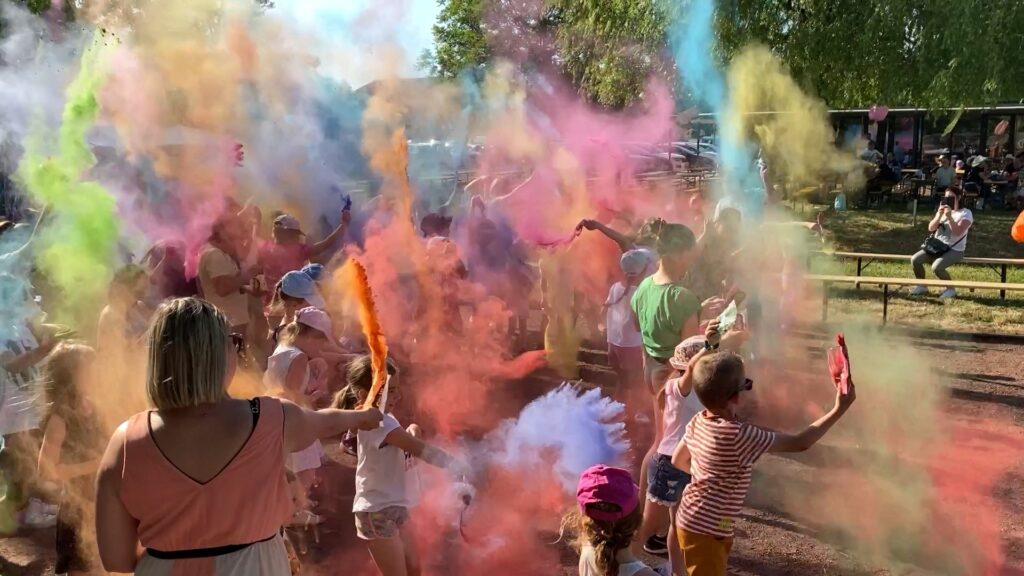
<point x="665" y="482"/>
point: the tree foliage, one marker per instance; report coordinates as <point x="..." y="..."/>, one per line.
<point x="610" y="48"/>
<point x="851" y="53"/>
<point x="854" y="53"/>
<point x="459" y="39"/>
<point x="607" y="48"/>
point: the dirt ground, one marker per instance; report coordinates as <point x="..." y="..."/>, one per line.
<point x="984" y="384"/>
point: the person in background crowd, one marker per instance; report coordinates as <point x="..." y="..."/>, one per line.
<point x="713" y="272"/>
<point x="870" y="154"/>
<point x="977" y="179"/>
<point x="70" y="453"/>
<point x="944" y="176"/>
<point x="951" y="224"/>
<point x="899" y="155"/>
<point x="199" y="482"/>
<point x="625" y="344"/>
<point x="124" y="318"/>
<point x="165" y="266"/>
<point x="23" y="347"/>
<point x="289" y="249"/>
<point x="225" y="278"/>
<point x="296" y="290"/>
<point x="434" y="224"/>
<point x="1017" y="186"/>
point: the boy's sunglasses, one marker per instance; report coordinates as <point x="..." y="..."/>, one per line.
<point x="747" y="385"/>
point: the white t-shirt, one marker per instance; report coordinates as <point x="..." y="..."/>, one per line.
<point x="588" y="565"/>
<point x="945" y="233"/>
<point x="679" y="410"/>
<point x="380" y="470"/>
<point x="620" y="321"/>
<point x="21" y="397"/>
<point x="215" y="263"/>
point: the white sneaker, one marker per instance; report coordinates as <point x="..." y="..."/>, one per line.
<point x="949" y="294"/>
<point x="37" y="516"/>
<point x="919" y="291"/>
<point x="44" y="507"/>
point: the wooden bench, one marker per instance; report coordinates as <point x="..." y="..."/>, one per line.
<point x="864" y="259"/>
<point x="827" y="280"/>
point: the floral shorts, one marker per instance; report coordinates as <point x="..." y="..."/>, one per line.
<point x="381" y="524"/>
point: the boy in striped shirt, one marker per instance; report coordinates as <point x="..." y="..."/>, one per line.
<point x="719" y="452"/>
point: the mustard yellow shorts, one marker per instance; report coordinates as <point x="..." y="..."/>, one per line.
<point x="704" y="555"/>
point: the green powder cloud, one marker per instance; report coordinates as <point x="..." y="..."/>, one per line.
<point x="76" y="246"/>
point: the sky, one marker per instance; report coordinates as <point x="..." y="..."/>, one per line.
<point x="353" y="34"/>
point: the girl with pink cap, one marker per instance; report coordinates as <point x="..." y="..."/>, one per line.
<point x="606" y="523"/>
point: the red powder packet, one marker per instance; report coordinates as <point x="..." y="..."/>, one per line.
<point x="839" y="364"/>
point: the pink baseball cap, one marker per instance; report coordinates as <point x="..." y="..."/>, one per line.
<point x="610" y="488"/>
<point x="315" y="318"/>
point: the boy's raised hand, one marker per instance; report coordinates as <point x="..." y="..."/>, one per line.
<point x="712" y="334"/>
<point x="844" y="401"/>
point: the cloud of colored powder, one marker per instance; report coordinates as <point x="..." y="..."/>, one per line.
<point x="77" y="244"/>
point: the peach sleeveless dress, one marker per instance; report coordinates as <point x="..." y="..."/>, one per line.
<point x="230" y="525"/>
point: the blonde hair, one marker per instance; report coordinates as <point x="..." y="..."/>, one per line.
<point x="358" y="382"/>
<point x="606" y="538"/>
<point x="293" y="330"/>
<point x="187" y="354"/>
<point x="61" y="378"/>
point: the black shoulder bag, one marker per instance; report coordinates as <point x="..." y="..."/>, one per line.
<point x="937" y="248"/>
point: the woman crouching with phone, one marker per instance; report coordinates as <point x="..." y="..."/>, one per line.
<point x="947" y="243"/>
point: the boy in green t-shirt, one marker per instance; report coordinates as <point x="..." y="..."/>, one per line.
<point x="667" y="313"/>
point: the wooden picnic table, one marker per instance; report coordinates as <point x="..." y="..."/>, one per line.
<point x="998" y="265"/>
<point x="828" y="279"/>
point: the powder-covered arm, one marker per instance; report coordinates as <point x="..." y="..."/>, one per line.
<point x="624" y="242"/>
<point x="323" y="245"/>
<point x="402" y="439"/>
<point x="810" y="435"/>
<point x="303" y="426"/>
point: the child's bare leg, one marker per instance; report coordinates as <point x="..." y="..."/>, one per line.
<point x="638" y="542"/>
<point x="389" y="555"/>
<point x="675" y="551"/>
<point x="655" y="521"/>
<point x="412" y="556"/>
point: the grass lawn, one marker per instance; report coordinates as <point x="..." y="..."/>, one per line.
<point x="889" y="231"/>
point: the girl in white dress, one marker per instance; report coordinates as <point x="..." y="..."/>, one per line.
<point x="295" y="372"/>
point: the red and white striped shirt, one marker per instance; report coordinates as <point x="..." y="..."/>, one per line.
<point x="722" y="455"/>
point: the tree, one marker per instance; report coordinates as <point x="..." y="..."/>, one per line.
<point x="854" y="53"/>
<point x="606" y="48"/>
<point x="610" y="48"/>
<point x="459" y="39"/>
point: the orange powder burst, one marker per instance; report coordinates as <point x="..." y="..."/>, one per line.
<point x="371" y="328"/>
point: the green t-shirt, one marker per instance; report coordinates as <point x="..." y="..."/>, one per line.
<point x="662" y="311"/>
